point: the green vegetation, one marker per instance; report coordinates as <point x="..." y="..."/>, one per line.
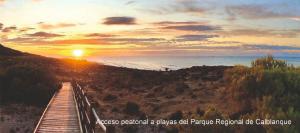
<point x="176" y="116"/>
<point x="132" y="108"/>
<point x="271" y="88"/>
<point x="211" y="114"/>
<point x="27" y="84"/>
<point x="269" y="63"/>
<point x="26" y="78"/>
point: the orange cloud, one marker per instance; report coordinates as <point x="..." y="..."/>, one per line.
<point x="9" y="29"/>
<point x="78" y="41"/>
<point x="44" y="34"/>
<point x="41" y="41"/>
<point x="46" y="26"/>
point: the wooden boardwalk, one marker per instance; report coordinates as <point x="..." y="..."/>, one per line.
<point x="61" y="114"/>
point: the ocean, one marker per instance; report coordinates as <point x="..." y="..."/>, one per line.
<point x="179" y="62"/>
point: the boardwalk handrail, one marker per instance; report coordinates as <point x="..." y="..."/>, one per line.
<point x="43" y="115"/>
<point x="87" y="113"/>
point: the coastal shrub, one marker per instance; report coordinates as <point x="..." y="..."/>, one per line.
<point x="143" y="116"/>
<point x="130" y="128"/>
<point x="181" y="87"/>
<point x="176" y="116"/>
<point x="132" y="108"/>
<point x="27" y="84"/>
<point x="271" y="87"/>
<point x="210" y="114"/>
<point x="199" y="111"/>
<point x="110" y="97"/>
<point x="172" y="130"/>
<point x="269" y="63"/>
<point x="1" y="83"/>
<point x="12" y="130"/>
<point x="110" y="129"/>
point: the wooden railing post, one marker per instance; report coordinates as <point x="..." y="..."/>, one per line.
<point x="92" y="117"/>
<point x="84" y="108"/>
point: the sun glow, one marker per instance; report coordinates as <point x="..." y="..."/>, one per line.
<point x="78" y="53"/>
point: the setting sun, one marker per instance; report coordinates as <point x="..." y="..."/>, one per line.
<point x="77" y="52"/>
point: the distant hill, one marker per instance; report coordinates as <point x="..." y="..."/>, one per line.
<point x="5" y="51"/>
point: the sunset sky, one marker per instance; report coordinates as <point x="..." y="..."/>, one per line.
<point x="152" y="27"/>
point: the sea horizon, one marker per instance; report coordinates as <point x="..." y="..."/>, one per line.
<point x="181" y="62"/>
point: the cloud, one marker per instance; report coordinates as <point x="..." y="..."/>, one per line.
<point x="295" y="18"/>
<point x="269" y="47"/>
<point x="177" y="23"/>
<point x="193" y="27"/>
<point x="25" y="29"/>
<point x="242" y="47"/>
<point x="75" y="41"/>
<point x="262" y="33"/>
<point x="191" y="6"/>
<point x="115" y="39"/>
<point x="40" y="38"/>
<point x="194" y="37"/>
<point x="120" y="21"/>
<point x="9" y="29"/>
<point x="180" y="6"/>
<point x="42" y="41"/>
<point x="44" y="35"/>
<point x="99" y="35"/>
<point x="14" y="29"/>
<point x="1" y="26"/>
<point x="20" y="39"/>
<point x="133" y="40"/>
<point x="130" y="2"/>
<point x="255" y="11"/>
<point x="46" y="26"/>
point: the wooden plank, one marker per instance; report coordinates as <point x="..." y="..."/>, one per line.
<point x="61" y="114"/>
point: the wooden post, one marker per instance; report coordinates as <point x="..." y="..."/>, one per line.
<point x="84" y="108"/>
<point x="92" y="117"/>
